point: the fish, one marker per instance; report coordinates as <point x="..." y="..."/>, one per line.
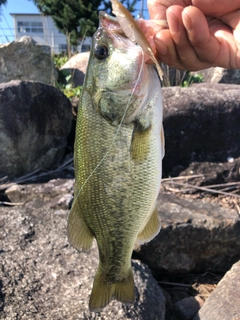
<point x="118" y="153"/>
<point x="134" y="32"/>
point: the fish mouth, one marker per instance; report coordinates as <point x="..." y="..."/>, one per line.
<point x="109" y="23"/>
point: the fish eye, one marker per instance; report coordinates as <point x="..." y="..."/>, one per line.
<point x="101" y="52"/>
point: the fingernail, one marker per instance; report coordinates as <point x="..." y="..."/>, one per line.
<point x="172" y="21"/>
<point x="161" y="47"/>
<point x="187" y="21"/>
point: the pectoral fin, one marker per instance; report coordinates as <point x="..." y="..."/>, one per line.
<point x="79" y="235"/>
<point x="140" y="147"/>
<point x="151" y="229"/>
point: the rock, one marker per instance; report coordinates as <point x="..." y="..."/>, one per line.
<point x="195" y="236"/>
<point x="77" y="66"/>
<point x="14" y="193"/>
<point x="188" y="307"/>
<point x="215" y="86"/>
<point x="35" y="123"/>
<point x="42" y="277"/>
<point x="223" y="303"/>
<point x="56" y="194"/>
<point x="220" y="75"/>
<point x="201" y="125"/>
<point x="26" y="60"/>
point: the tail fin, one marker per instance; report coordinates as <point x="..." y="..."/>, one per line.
<point x="103" y="292"/>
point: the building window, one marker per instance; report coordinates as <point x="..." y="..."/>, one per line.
<point x="85" y="47"/>
<point x="62" y="47"/>
<point x="30" y="26"/>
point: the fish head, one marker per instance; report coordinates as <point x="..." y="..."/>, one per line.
<point x="117" y="73"/>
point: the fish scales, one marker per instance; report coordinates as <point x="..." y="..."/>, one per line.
<point x="117" y="164"/>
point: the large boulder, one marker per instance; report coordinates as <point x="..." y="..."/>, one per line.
<point x="42" y="277"/>
<point x="26" y="60"/>
<point x="195" y="236"/>
<point x="35" y="120"/>
<point x="202" y="124"/>
<point x="223" y="303"/>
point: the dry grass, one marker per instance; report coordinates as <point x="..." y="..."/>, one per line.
<point x="226" y="194"/>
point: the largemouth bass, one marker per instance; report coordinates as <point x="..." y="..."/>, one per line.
<point x="118" y="154"/>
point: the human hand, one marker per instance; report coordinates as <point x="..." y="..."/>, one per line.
<point x="201" y="34"/>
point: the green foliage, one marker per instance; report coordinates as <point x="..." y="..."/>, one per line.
<point x="66" y="85"/>
<point x="72" y="92"/>
<point x="59" y="60"/>
<point x="192" y="78"/>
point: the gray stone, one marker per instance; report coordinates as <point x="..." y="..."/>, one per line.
<point x="56" y="194"/>
<point x="195" y="236"/>
<point x="188" y="307"/>
<point x="35" y="120"/>
<point x="26" y="60"/>
<point x="201" y="125"/>
<point x="224" y="302"/>
<point x="42" y="277"/>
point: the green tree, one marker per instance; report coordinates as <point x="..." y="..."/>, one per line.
<point x="77" y="19"/>
<point x="3" y="2"/>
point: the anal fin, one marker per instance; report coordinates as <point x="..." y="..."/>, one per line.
<point x="151" y="229"/>
<point x="79" y="235"/>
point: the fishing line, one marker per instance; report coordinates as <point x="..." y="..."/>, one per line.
<point x="118" y="129"/>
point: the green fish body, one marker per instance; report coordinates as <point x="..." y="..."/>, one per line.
<point x="118" y="154"/>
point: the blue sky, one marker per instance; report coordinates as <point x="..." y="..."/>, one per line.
<point x="27" y="6"/>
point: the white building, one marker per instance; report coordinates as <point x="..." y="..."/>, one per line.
<point x="43" y="30"/>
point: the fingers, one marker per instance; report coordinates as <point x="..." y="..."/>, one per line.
<point x="196" y="47"/>
<point x="195" y="43"/>
<point x="156" y="9"/>
<point x="178" y="50"/>
<point x="185" y="51"/>
<point x="166" y="51"/>
<point x="212" y="41"/>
